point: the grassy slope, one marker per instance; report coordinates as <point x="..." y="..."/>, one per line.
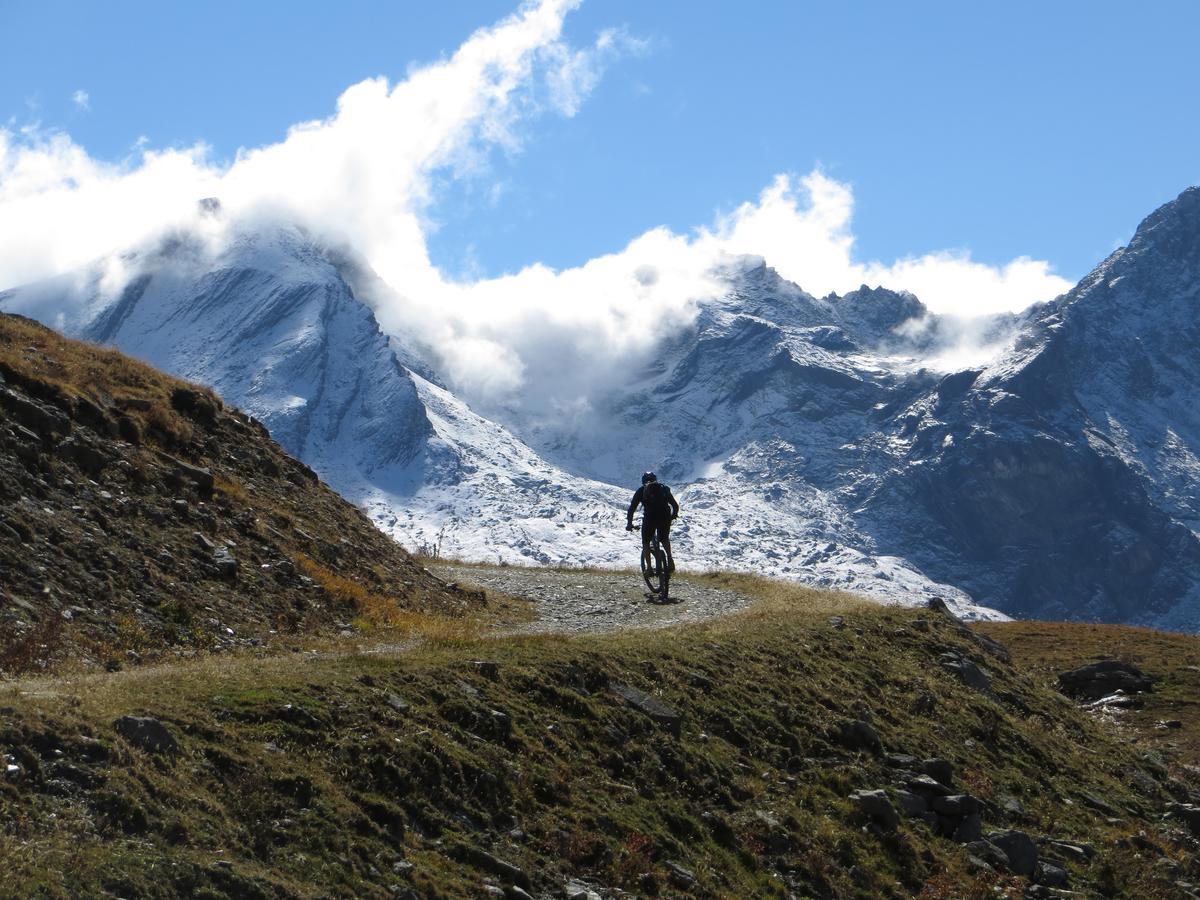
<point x="752" y="796"/>
<point x="1047" y="648"/>
<point x="107" y="552"/>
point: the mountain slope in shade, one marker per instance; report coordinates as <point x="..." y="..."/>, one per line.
<point x="1061" y="481"/>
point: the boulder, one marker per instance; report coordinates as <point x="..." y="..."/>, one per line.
<point x="990" y="854"/>
<point x="1187" y="813"/>
<point x="876" y="806"/>
<point x="1100" y="679"/>
<point x="577" y="890"/>
<point x="1050" y="875"/>
<point x="1020" y="849"/>
<point x="969" y="673"/>
<point x="912" y="804"/>
<point x="955" y="805"/>
<point x="940" y="769"/>
<point x="927" y="786"/>
<point x="859" y="735"/>
<point x="227" y="565"/>
<point x="651" y="706"/>
<point x="682" y="878"/>
<point x="147" y="733"/>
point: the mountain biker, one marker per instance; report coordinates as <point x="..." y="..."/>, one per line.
<point x="659" y="510"/>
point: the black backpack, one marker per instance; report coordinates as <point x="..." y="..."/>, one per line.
<point x="654" y="499"/>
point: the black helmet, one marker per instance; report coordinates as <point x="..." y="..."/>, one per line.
<point x="647" y="477"/>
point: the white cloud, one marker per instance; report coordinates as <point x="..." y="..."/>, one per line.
<point x="562" y="338"/>
<point x="365" y="177"/>
<point x="81" y="99"/>
<point x="802" y="227"/>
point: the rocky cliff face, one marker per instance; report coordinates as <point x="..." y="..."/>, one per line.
<point x="1061" y="480"/>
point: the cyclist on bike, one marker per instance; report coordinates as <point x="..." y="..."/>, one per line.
<point x="659" y="509"/>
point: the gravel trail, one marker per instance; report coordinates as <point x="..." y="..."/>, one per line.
<point x="569" y="602"/>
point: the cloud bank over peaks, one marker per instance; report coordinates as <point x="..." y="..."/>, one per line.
<point x="551" y="340"/>
<point x="367" y="177"/>
<point x="363" y="176"/>
<point x="801" y="226"/>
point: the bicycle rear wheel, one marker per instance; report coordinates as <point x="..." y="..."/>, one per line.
<point x="664" y="578"/>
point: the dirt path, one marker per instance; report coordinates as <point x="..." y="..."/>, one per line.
<point x="570" y="602"/>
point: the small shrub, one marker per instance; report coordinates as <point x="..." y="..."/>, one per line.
<point x="33" y="650"/>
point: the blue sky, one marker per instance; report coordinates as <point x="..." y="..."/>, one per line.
<point x="1013" y="129"/>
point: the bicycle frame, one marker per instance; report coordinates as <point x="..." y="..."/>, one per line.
<point x="654" y="571"/>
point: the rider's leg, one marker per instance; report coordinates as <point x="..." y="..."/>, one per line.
<point x="647" y="559"/>
<point x="666" y="544"/>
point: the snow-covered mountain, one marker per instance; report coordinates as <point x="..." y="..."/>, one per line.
<point x="809" y="437"/>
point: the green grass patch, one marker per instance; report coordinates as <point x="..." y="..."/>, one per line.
<point x="351" y="774"/>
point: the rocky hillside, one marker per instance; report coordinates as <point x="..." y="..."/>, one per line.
<point x="139" y="515"/>
<point x="812" y="746"/>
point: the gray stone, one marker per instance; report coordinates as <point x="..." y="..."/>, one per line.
<point x="1050" y="875"/>
<point x="859" y="735"/>
<point x="940" y="769"/>
<point x="397" y="703"/>
<point x="682" y="878"/>
<point x="1011" y="805"/>
<point x="969" y="673"/>
<point x="1020" y="849"/>
<point x="651" y="706"/>
<point x="577" y="890"/>
<point x="1080" y="853"/>
<point x="1099" y="679"/>
<point x="912" y="804"/>
<point x="923" y="784"/>
<point x="1188" y="813"/>
<point x="487" y="669"/>
<point x="227" y="566"/>
<point x="970" y="828"/>
<point x="512" y="892"/>
<point x="955" y="805"/>
<point x="876" y="806"/>
<point x="147" y="733"/>
<point x="989" y="853"/>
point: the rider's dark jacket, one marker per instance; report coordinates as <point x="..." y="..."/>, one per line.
<point x="659" y="514"/>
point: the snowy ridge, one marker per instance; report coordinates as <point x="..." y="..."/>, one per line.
<point x="805" y="437"/>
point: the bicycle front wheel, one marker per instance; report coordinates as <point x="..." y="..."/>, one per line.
<point x="654" y="571"/>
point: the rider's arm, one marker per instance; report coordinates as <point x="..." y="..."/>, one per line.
<point x="633" y="505"/>
<point x="674" y="503"/>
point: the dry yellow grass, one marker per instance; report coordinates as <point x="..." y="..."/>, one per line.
<point x="102" y="375"/>
<point x="778" y="596"/>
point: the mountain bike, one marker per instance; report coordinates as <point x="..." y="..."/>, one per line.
<point x="655" y="572"/>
